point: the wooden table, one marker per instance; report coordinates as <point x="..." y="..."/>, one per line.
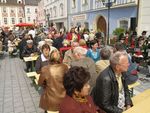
<point x="132" y="86"/>
<point x="140" y="97"/>
<point x="31" y="58"/>
<point x="142" y="107"/>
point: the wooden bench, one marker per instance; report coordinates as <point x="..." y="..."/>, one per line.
<point x="31" y="74"/>
<point x="36" y="78"/>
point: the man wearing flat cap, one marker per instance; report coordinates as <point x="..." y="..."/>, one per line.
<point x="29" y="50"/>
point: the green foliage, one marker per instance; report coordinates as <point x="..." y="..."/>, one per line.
<point x="118" y="31"/>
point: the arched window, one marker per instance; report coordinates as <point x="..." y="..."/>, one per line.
<point x="61" y="9"/>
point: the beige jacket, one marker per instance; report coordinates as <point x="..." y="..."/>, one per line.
<point x="51" y="79"/>
<point x="101" y="65"/>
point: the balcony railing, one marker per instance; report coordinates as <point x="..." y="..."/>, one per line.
<point x="99" y="3"/>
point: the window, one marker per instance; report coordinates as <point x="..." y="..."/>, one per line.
<point x="28" y="10"/>
<point x="19" y="1"/>
<point x="61" y="9"/>
<point x="20" y="20"/>
<point x="12" y="20"/>
<point x="20" y="10"/>
<point x="4" y="10"/>
<point x="51" y="12"/>
<point x="4" y="1"/>
<point x="12" y="10"/>
<point x="5" y="20"/>
<point x="73" y="3"/>
<point x="35" y="10"/>
<point x="123" y="24"/>
<point x="84" y="2"/>
<point x="29" y="19"/>
<point x="54" y="11"/>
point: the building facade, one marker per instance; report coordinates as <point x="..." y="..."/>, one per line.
<point x="31" y="11"/>
<point x="41" y="16"/>
<point x="93" y="14"/>
<point x="144" y="16"/>
<point x="56" y="13"/>
<point x="11" y="12"/>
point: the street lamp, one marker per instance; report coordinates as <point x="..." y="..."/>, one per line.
<point x="108" y="3"/>
<point x="48" y="16"/>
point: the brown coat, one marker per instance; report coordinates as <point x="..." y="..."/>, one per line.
<point x="51" y="79"/>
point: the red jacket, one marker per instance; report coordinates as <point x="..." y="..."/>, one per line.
<point x="69" y="36"/>
<point x="69" y="105"/>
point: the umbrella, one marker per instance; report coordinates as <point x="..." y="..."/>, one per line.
<point x="23" y="24"/>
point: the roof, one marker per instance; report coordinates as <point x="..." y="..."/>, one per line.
<point x="15" y="2"/>
<point x="32" y="2"/>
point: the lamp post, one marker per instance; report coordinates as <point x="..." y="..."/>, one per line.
<point x="48" y="16"/>
<point x="108" y="4"/>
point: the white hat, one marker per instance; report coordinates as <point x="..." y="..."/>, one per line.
<point x="29" y="41"/>
<point x="48" y="40"/>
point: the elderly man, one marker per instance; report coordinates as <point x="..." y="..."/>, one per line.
<point x="104" y="62"/>
<point x="86" y="62"/>
<point x="111" y="91"/>
<point x="29" y="50"/>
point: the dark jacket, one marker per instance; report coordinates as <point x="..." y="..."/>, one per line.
<point x="28" y="51"/>
<point x="105" y="93"/>
<point x="39" y="64"/>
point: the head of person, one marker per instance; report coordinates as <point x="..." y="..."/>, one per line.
<point x="76" y="81"/>
<point x="127" y="34"/>
<point x="94" y="44"/>
<point x="79" y="52"/>
<point x="72" y="30"/>
<point x="46" y="50"/>
<point x="82" y="42"/>
<point x="30" y="37"/>
<point x="144" y="33"/>
<point x="55" y="57"/>
<point x="119" y="46"/>
<point x="49" y="42"/>
<point x="74" y="44"/>
<point x="30" y="43"/>
<point x="105" y="53"/>
<point x="119" y="61"/>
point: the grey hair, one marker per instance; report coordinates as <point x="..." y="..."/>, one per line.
<point x="105" y="53"/>
<point x="115" y="58"/>
<point x="80" y="50"/>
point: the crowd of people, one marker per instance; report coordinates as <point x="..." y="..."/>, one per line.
<point x="79" y="73"/>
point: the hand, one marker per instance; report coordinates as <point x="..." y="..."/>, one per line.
<point x="128" y="106"/>
<point x="32" y="54"/>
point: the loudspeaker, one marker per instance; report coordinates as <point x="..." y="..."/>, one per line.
<point x="133" y="24"/>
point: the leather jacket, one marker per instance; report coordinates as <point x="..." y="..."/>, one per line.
<point x="106" y="94"/>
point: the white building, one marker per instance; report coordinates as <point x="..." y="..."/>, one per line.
<point x="56" y="12"/>
<point x="41" y="16"/>
<point x="144" y="16"/>
<point x="31" y="7"/>
<point x="11" y="12"/>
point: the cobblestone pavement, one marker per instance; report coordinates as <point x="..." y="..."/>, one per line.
<point x="17" y="92"/>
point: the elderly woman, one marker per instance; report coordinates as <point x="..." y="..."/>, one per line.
<point x="77" y="89"/>
<point x="51" y="79"/>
